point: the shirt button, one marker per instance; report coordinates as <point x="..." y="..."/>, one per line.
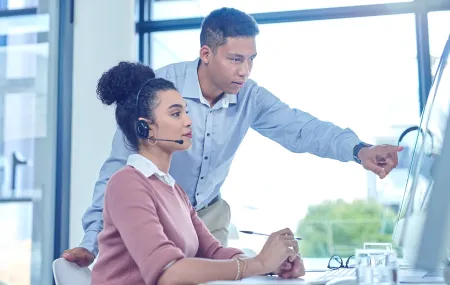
<point x="201" y="177"/>
<point x="197" y="194"/>
<point x="208" y="134"/>
<point x="206" y="157"/>
<point x="210" y="111"/>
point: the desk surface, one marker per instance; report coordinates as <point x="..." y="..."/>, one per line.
<point x="306" y="280"/>
<point x="272" y="280"/>
<point x="261" y="280"/>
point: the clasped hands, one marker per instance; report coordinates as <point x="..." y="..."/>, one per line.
<point x="280" y="255"/>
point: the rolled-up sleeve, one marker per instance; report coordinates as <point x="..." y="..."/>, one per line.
<point x="298" y="131"/>
<point x="133" y="212"/>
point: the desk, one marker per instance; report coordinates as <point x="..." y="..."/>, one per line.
<point x="260" y="280"/>
<point x="271" y="280"/>
<point x="306" y="280"/>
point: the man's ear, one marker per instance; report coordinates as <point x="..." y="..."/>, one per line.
<point x="205" y="54"/>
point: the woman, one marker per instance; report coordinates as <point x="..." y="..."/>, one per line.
<point x="152" y="235"/>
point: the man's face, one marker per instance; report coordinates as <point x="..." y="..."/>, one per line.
<point x="231" y="64"/>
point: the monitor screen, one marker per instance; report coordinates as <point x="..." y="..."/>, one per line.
<point x="427" y="147"/>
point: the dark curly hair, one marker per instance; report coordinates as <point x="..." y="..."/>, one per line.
<point x="226" y="23"/>
<point x="120" y="85"/>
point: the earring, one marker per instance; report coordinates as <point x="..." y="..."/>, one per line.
<point x="149" y="139"/>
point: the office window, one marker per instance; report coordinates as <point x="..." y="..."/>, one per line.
<point x="21" y="4"/>
<point x="163" y="10"/>
<point x="165" y="47"/>
<point x="27" y="108"/>
<point x="358" y="73"/>
<point x="439" y="32"/>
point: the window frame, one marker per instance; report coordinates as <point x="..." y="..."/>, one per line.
<point x="60" y="83"/>
<point x="145" y="26"/>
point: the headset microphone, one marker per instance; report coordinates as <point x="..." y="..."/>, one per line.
<point x="175" y="141"/>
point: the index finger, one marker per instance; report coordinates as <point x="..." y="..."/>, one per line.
<point x="295" y="246"/>
<point x="385" y="149"/>
<point x="286" y="231"/>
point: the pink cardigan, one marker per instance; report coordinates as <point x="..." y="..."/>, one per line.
<point x="148" y="225"/>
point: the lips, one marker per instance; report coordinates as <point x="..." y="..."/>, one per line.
<point x="238" y="83"/>
<point x="189" y="135"/>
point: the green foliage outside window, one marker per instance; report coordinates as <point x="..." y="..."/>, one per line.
<point x="338" y="227"/>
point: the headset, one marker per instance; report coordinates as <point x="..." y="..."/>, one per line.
<point x="415" y="128"/>
<point x="142" y="126"/>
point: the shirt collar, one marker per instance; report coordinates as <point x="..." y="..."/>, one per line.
<point x="192" y="86"/>
<point x="148" y="168"/>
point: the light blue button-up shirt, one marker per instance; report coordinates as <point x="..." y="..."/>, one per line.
<point x="217" y="133"/>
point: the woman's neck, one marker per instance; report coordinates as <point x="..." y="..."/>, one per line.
<point x="160" y="158"/>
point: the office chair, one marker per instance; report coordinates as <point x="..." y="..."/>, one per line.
<point x="67" y="273"/>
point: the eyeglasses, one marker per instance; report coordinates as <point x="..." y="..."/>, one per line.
<point x="336" y="262"/>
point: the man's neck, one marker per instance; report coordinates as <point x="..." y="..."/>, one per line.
<point x="209" y="91"/>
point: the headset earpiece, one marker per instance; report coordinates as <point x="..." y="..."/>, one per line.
<point x="142" y="129"/>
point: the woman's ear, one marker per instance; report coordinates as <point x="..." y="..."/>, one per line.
<point x="150" y="124"/>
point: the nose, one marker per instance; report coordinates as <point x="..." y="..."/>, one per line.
<point x="245" y="68"/>
<point x="187" y="121"/>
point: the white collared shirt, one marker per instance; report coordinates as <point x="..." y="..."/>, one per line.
<point x="148" y="168"/>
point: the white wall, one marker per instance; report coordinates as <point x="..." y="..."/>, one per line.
<point x="104" y="34"/>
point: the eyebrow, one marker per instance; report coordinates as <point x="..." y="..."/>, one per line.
<point x="241" y="56"/>
<point x="176" y="106"/>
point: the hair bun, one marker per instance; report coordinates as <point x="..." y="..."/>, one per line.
<point x="122" y="82"/>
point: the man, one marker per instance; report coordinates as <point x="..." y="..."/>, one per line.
<point x="223" y="104"/>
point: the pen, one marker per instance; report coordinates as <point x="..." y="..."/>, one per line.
<point x="253" y="233"/>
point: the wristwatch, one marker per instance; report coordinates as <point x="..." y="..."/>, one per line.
<point x="356" y="150"/>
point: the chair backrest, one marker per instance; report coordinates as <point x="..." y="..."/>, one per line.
<point x="67" y="273"/>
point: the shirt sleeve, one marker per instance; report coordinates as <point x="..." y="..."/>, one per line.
<point x="209" y="246"/>
<point x="92" y="219"/>
<point x="298" y="131"/>
<point x="134" y="213"/>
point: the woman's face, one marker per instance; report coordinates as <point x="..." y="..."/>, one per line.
<point x="171" y="122"/>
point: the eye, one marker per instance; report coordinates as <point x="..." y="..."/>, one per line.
<point x="235" y="60"/>
<point x="177" y="114"/>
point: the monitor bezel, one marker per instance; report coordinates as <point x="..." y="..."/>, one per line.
<point x="423" y="241"/>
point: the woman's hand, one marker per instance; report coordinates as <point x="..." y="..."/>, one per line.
<point x="280" y="247"/>
<point x="293" y="269"/>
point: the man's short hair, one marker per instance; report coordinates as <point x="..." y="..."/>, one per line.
<point x="226" y="23"/>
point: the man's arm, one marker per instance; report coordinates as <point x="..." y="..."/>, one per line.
<point x="93" y="217"/>
<point x="298" y="131"/>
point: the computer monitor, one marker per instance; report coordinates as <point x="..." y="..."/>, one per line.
<point x="422" y="226"/>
